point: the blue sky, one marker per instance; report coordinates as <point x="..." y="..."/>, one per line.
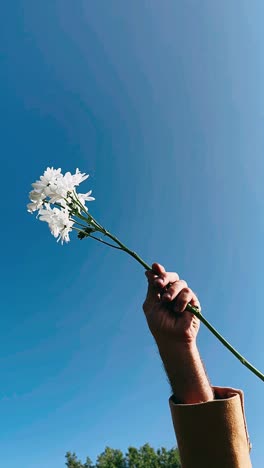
<point x="162" y="103"/>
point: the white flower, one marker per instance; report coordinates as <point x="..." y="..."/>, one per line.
<point x="59" y="222"/>
<point x="83" y="197"/>
<point x="70" y="181"/>
<point x="37" y="201"/>
<point x="48" y="184"/>
<point x="49" y="178"/>
<point x="79" y="177"/>
<point x="55" y="188"/>
<point x="60" y="187"/>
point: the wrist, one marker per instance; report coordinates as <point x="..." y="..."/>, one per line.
<point x="186" y="373"/>
<point x="172" y="349"/>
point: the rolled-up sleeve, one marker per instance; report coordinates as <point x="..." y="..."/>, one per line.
<point x="213" y="434"/>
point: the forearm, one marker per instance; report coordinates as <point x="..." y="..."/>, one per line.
<point x="186" y="373"/>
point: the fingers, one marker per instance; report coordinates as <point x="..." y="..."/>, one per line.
<point x="177" y="293"/>
<point x="158" y="279"/>
<point x="161" y="281"/>
<point x="174" y="290"/>
<point x="178" y="290"/>
<point x="158" y="276"/>
<point x="185" y="297"/>
<point x="158" y="269"/>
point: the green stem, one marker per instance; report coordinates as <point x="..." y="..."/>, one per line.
<point x="125" y="249"/>
<point x="210" y="327"/>
<point x="189" y="307"/>
<point x="90" y="235"/>
<point x="76" y="222"/>
<point x="81" y="206"/>
<point x="106" y="243"/>
<point x="80" y="216"/>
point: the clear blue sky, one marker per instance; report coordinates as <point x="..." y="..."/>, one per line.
<point x="163" y="104"/>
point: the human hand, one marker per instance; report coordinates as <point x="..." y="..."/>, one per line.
<point x="164" y="308"/>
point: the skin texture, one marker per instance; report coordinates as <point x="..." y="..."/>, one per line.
<point x="175" y="331"/>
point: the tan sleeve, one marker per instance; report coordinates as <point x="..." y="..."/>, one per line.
<point x="213" y="434"/>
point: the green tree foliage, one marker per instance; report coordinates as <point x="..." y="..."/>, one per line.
<point x="73" y="462"/>
<point x="169" y="458"/>
<point x="144" y="457"/>
<point x="111" y="458"/>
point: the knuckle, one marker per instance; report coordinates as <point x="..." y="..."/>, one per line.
<point x="184" y="283"/>
<point x="185" y="294"/>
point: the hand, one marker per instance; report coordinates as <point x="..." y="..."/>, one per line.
<point x="164" y="308"/>
<point x="175" y="331"/>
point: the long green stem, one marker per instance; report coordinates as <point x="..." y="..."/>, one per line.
<point x="189" y="307"/>
<point x="76" y="222"/>
<point x="106" y="243"/>
<point x="125" y="249"/>
<point x="210" y="327"/>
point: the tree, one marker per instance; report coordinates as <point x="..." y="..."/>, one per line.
<point x="133" y="458"/>
<point x="144" y="457"/>
<point x="174" y="458"/>
<point x="73" y="462"/>
<point x="169" y="458"/>
<point x="111" y="458"/>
